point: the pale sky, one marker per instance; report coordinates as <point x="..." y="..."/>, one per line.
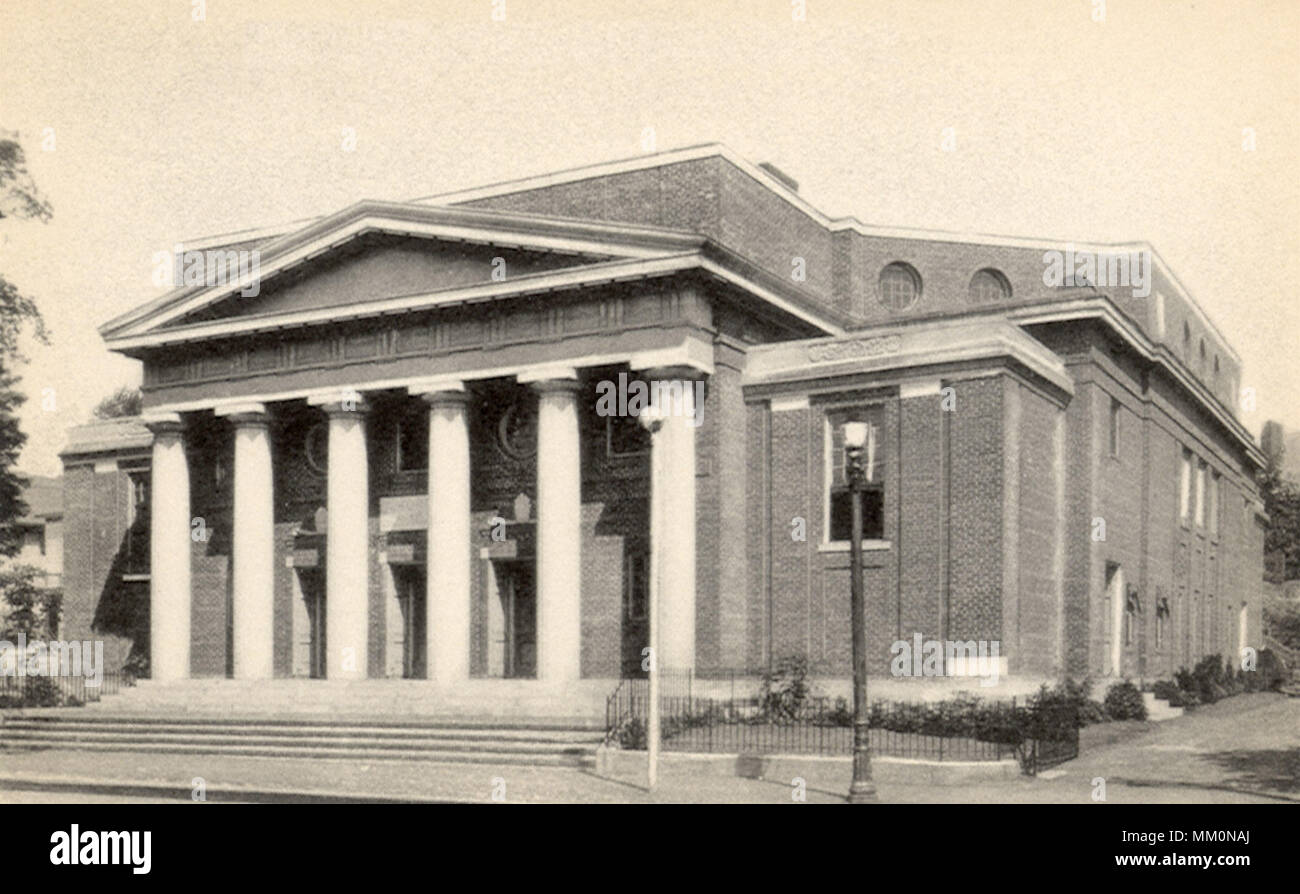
<point x="166" y="128"/>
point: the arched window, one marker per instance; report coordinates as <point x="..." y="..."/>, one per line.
<point x="1202" y="358"/>
<point x="988" y="286"/>
<point x="1187" y="341"/>
<point x="900" y="286"/>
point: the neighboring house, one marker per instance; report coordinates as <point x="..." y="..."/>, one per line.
<point x="42" y="531"/>
<point x="391" y="460"/>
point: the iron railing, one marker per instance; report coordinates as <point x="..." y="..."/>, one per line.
<point x="698" y="718"/>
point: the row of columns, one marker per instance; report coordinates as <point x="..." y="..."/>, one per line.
<point x="450" y="538"/>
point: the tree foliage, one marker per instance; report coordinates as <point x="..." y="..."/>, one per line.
<point x="20" y="200"/>
<point x="125" y="401"/>
<point x="1282" y="503"/>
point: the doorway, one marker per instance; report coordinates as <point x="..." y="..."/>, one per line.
<point x="411" y="599"/>
<point x="517" y="589"/>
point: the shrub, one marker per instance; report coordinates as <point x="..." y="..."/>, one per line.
<point x="1269" y="672"/>
<point x="1208" y="676"/>
<point x="1166" y="690"/>
<point x="1124" y="702"/>
<point x="785" y="688"/>
<point x="35" y="692"/>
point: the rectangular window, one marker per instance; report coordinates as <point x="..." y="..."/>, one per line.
<point x="1185" y="486"/>
<point x="637" y="598"/>
<point x="1200" y="494"/>
<point x="1114" y="427"/>
<point x="1216" y="482"/>
<point x="839" y="505"/>
<point x="1115" y="621"/>
<point x="137" y="525"/>
<point x="1162" y="618"/>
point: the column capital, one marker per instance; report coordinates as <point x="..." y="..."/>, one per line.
<point x="441" y="392"/>
<point x="450" y="399"/>
<point x="677" y="371"/>
<point x="553" y="379"/>
<point x="343" y="402"/>
<point x="244" y="415"/>
<point x="164" y="425"/>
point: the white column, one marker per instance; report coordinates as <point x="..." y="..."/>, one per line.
<point x="559" y="526"/>
<point x="673" y="421"/>
<point x="447" y="576"/>
<point x="347" y="543"/>
<point x="169" y="552"/>
<point x="253" y="544"/>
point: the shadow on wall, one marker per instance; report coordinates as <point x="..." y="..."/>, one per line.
<point x="122" y="609"/>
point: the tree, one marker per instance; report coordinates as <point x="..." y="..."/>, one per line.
<point x="125" y="401"/>
<point x="1282" y="503"/>
<point x="31" y="610"/>
<point x="19" y="199"/>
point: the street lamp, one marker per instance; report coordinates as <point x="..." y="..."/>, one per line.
<point x="859" y="445"/>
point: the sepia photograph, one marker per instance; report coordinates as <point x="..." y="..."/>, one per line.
<point x="415" y="405"/>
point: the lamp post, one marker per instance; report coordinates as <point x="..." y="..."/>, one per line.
<point x="859" y="445"/>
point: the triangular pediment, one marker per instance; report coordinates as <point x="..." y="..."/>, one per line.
<point x="377" y="267"/>
<point x="378" y="256"/>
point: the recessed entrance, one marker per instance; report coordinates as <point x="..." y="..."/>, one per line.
<point x="517" y="591"/>
<point x="410" y="583"/>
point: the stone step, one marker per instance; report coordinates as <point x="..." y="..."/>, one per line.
<point x="407" y="731"/>
<point x="1159" y="709"/>
<point x="477" y="756"/>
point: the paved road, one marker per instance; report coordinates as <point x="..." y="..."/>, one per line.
<point x="1242" y="750"/>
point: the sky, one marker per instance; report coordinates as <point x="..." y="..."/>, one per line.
<point x="148" y="123"/>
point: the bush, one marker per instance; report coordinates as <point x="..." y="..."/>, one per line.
<point x="1124" y="702"/>
<point x="1208" y="677"/>
<point x="1166" y="690"/>
<point x="1269" y="673"/>
<point x="35" y="692"/>
<point x="785" y="688"/>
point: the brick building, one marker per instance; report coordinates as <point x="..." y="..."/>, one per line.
<point x="340" y="475"/>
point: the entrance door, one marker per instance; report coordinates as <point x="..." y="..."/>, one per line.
<point x="518" y="590"/>
<point x="411" y="598"/>
<point x="313" y="594"/>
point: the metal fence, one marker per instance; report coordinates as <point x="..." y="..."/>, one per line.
<point x="952" y="730"/>
<point x="40" y="691"/>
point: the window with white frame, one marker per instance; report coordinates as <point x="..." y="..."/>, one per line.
<point x="838" y="519"/>
<point x="1185" y="487"/>
<point x="1216" y="483"/>
<point x="1162" y="619"/>
<point x="1200" y="493"/>
<point x="1114" y="426"/>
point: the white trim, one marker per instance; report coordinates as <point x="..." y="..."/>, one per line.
<point x="542" y="282"/>
<point x="435" y="386"/>
<point x="1101" y="308"/>
<point x="371" y="222"/>
<point x="842" y="546"/>
<point x="784" y="404"/>
<point x="236" y="409"/>
<point x="540" y="370"/>
<point x="558" y="373"/>
<point x="591" y="274"/>
<point x="920" y="388"/>
<point x="768" y="295"/>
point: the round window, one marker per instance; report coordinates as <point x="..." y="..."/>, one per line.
<point x="316" y="447"/>
<point x="900" y="286"/>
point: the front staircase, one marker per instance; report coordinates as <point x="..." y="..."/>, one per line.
<point x="512" y="722"/>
